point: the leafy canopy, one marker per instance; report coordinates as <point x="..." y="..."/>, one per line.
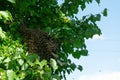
<point x="59" y="21"/>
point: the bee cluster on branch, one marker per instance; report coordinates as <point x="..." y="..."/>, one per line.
<point x="39" y="42"/>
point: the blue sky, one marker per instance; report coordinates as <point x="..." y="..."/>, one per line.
<point x="103" y="62"/>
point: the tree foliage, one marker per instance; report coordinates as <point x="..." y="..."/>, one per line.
<point x="47" y="28"/>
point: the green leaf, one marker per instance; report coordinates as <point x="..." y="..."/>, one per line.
<point x="76" y="54"/>
<point x="11" y="75"/>
<point x="3" y="75"/>
<point x="98" y="1"/>
<point x="91" y="1"/>
<point x="2" y="34"/>
<point x="56" y="77"/>
<point x="20" y="61"/>
<point x="73" y="66"/>
<point x="78" y="43"/>
<point x="47" y="74"/>
<point x="21" y="76"/>
<point x="12" y="1"/>
<point x="7" y="60"/>
<point x="43" y="63"/>
<point x="1" y="70"/>
<point x="80" y="67"/>
<point x="53" y="64"/>
<point x="5" y="15"/>
<point x="33" y="57"/>
<point x="13" y="65"/>
<point x="105" y="12"/>
<point x="98" y="17"/>
<point x="24" y="66"/>
<point x="67" y="48"/>
<point x="84" y="52"/>
<point x="83" y="6"/>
